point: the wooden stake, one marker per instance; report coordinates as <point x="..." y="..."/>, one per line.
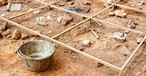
<point x="62" y="44"/>
<point x="94" y="33"/>
<point x="131" y="56"/>
<point x="9" y="5"/>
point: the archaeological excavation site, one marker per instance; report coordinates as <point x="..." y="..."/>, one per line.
<point x="72" y="37"/>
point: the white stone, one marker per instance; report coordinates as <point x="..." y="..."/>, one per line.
<point x="15" y="7"/>
<point x="36" y="12"/>
<point x="59" y="19"/>
<point x="85" y="42"/>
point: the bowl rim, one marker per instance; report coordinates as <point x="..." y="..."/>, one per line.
<point x="28" y="57"/>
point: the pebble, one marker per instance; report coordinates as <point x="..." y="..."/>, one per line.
<point x="85" y="42"/>
<point x="86" y="8"/>
<point x="24" y="36"/>
<point x="120" y="13"/>
<point x="3" y="26"/>
<point x="65" y="20"/>
<point x="59" y="19"/>
<point x="99" y="65"/>
<point x="111" y="13"/>
<point x="5" y="33"/>
<point x="120" y="36"/>
<point x="36" y="12"/>
<point x="16" y="34"/>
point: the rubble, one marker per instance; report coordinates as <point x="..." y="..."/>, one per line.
<point x="111" y="13"/>
<point x="16" y="34"/>
<point x="35" y="12"/>
<point x="41" y="21"/>
<point x="85" y="42"/>
<point x="86" y="8"/>
<point x="120" y="36"/>
<point x="120" y="13"/>
<point x="99" y="65"/>
<point x="3" y="26"/>
<point x="5" y="33"/>
<point x="24" y="36"/>
<point x="138" y="40"/>
<point x="59" y="19"/>
<point x="64" y="20"/>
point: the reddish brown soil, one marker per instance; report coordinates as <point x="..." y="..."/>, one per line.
<point x="68" y="63"/>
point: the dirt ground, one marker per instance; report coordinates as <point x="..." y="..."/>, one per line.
<point x="64" y="61"/>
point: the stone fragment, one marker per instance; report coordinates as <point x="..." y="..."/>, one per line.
<point x="65" y="20"/>
<point x="59" y="19"/>
<point x="99" y="65"/>
<point x="120" y="13"/>
<point x="24" y="36"/>
<point x="36" y="12"/>
<point x="85" y="42"/>
<point x="16" y="34"/>
<point x="3" y="26"/>
<point x="111" y="13"/>
<point x="5" y="33"/>
<point x="120" y="36"/>
<point x="139" y="40"/>
<point x="86" y="8"/>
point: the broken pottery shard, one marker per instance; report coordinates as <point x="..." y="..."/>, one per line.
<point x="15" y="7"/>
<point x="120" y="36"/>
<point x="74" y="9"/>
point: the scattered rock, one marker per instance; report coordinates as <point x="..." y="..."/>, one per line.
<point x="111" y="13"/>
<point x="24" y="36"/>
<point x="99" y="65"/>
<point x="86" y="42"/>
<point x="36" y="12"/>
<point x="139" y="40"/>
<point x="74" y="9"/>
<point x="65" y="20"/>
<point x="16" y="34"/>
<point x="42" y="21"/>
<point x="3" y="26"/>
<point x="49" y="17"/>
<point x="59" y="19"/>
<point x="120" y="13"/>
<point x="87" y="2"/>
<point x="120" y="36"/>
<point x="5" y="33"/>
<point x="86" y="8"/>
